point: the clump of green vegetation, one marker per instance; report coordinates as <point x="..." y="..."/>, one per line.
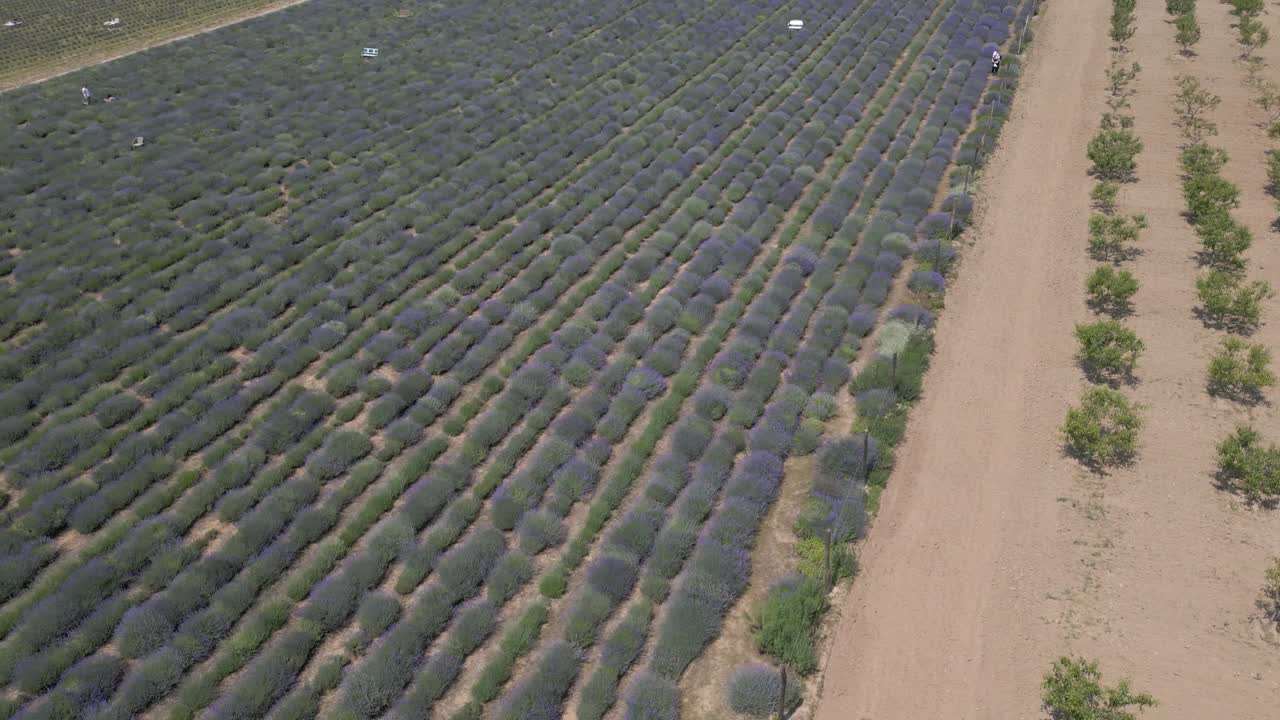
<point x="1103" y="429"/>
<point x="1228" y="302"/>
<point x="1240" y="370"/>
<point x="1104" y="196"/>
<point x="787" y="622"/>
<point x="1108" y="350"/>
<point x="1271" y="590"/>
<point x="1111" y="236"/>
<point x="1111" y="290"/>
<point x="1073" y="690"/>
<point x="1114" y="153"/>
<point x="1247" y="466"/>
<point x="1187" y="29"/>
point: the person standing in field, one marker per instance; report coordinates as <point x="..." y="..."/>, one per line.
<point x="995" y="62"/>
<point x="85" y="92"/>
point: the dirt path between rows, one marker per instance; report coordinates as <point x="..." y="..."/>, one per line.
<point x="992" y="553"/>
<point x="957" y="608"/>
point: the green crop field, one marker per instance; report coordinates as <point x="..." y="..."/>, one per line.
<point x="457" y="383"/>
<point x="60" y="35"/>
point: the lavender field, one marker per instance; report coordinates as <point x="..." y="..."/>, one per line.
<point x="457" y="383"/>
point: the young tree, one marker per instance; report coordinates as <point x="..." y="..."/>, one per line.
<point x="1110" y="290"/>
<point x="1268" y="101"/>
<point x="1253" y="36"/>
<point x="1104" y="196"/>
<point x="1226" y="301"/>
<point x="1103" y="429"/>
<point x="1188" y="31"/>
<point x="1224" y="241"/>
<point x="1179" y="7"/>
<point x="1110" y="237"/>
<point x="1193" y="102"/>
<point x="1123" y="23"/>
<point x="1247" y="8"/>
<point x="1248" y="467"/>
<point x="1202" y="159"/>
<point x="1119" y="77"/>
<point x="1073" y="690"/>
<point x="1114" y="151"/>
<point x="1271" y="590"/>
<point x="1207" y="194"/>
<point x="1273" y="175"/>
<point x="1108" y="350"/>
<point x="1240" y="371"/>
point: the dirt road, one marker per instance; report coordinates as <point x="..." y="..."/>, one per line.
<point x="952" y="615"/>
<point x="993" y="554"/>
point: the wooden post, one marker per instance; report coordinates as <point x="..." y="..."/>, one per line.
<point x="951" y="228"/>
<point x="782" y="695"/>
<point x="826" y="561"/>
<point x="866" y="460"/>
<point x="893" y="371"/>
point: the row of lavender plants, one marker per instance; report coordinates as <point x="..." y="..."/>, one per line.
<point x="504" y="507"/>
<point x="556" y="667"/>
<point x="624" y="547"/>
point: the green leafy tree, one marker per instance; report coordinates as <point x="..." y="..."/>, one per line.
<point x="1273" y="175"/>
<point x="1271" y="590"/>
<point x="1073" y="690"/>
<point x="1247" y="8"/>
<point x="1240" y="370"/>
<point x="1193" y="103"/>
<point x="1119" y="79"/>
<point x="1268" y="101"/>
<point x="1247" y="466"/>
<point x="1227" y="301"/>
<point x="1253" y="36"/>
<point x="1104" y="195"/>
<point x="1224" y="240"/>
<point x="1108" y="350"/>
<point x="1103" y="429"/>
<point x="1110" y="237"/>
<point x="1206" y="194"/>
<point x="1188" y="31"/>
<point x="1202" y="159"/>
<point x="1123" y="24"/>
<point x="1110" y="290"/>
<point x="1114" y="153"/>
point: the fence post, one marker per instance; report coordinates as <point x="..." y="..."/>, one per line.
<point x="866" y="460"/>
<point x="782" y="696"/>
<point x="826" y="561"/>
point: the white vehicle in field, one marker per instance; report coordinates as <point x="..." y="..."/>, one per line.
<point x="795" y="25"/>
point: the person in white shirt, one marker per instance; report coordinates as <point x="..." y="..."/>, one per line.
<point x="995" y="62"/>
<point x="85" y="92"/>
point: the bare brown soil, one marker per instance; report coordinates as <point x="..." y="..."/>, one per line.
<point x="993" y="553"/>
